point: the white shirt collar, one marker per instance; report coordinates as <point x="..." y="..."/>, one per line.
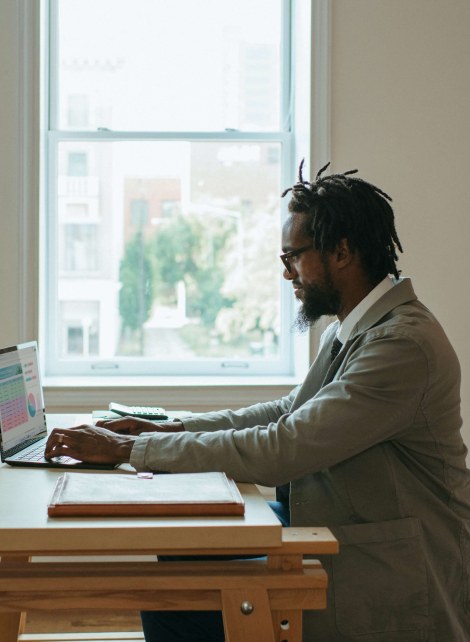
<point x="361" y="308"/>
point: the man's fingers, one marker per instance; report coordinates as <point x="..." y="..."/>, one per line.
<point x="55" y="444"/>
<point x="59" y="441"/>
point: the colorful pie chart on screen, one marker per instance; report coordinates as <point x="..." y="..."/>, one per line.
<point x="31" y="404"/>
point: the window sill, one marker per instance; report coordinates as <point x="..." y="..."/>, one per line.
<point x="198" y="394"/>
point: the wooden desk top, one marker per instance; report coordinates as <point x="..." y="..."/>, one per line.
<point x="26" y="529"/>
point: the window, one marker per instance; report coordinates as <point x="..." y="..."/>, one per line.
<point x="79" y="246"/>
<point x="169" y="143"/>
<point x="77" y="164"/>
<point x="79" y="322"/>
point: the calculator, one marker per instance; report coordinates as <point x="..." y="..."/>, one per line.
<point x="141" y="412"/>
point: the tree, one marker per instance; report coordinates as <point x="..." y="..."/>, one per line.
<point x="190" y="249"/>
<point x="137" y="276"/>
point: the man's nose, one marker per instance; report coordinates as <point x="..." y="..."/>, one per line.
<point x="289" y="274"/>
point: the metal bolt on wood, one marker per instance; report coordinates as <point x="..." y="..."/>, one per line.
<point x="247" y="608"/>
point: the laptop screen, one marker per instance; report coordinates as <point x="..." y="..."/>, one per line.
<point x="22" y="416"/>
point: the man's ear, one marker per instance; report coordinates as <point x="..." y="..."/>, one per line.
<point x="343" y="253"/>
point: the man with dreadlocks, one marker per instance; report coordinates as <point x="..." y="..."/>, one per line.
<point x="368" y="445"/>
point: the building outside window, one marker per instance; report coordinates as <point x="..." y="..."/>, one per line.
<point x="77" y="164"/>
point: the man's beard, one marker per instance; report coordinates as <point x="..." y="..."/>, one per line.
<point x="319" y="300"/>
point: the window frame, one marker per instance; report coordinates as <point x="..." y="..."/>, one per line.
<point x="55" y="365"/>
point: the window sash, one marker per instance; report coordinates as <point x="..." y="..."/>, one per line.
<point x="284" y="365"/>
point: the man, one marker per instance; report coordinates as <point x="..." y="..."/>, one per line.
<point x="369" y="445"/>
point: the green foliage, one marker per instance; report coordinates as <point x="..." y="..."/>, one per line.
<point x="230" y="280"/>
<point x="175" y="249"/>
<point x="191" y="249"/>
<point x="137" y="276"/>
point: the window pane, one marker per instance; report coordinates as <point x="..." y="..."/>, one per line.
<point x="79" y="327"/>
<point x="79" y="248"/>
<point x="174" y="256"/>
<point x="169" y="65"/>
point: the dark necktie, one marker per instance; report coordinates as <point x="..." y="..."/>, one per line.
<point x="335" y="348"/>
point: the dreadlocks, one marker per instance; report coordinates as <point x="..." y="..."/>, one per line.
<point x="340" y="206"/>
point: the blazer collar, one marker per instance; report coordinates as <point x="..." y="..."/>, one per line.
<point x="401" y="293"/>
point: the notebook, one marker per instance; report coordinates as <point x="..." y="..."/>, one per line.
<point x="145" y="494"/>
<point x="23" y="430"/>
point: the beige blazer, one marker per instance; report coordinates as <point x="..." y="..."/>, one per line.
<point x="371" y="447"/>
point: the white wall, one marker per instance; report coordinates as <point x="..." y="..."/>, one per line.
<point x="19" y="148"/>
<point x="9" y="170"/>
<point x="400" y="113"/>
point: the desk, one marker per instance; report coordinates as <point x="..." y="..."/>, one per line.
<point x="255" y="596"/>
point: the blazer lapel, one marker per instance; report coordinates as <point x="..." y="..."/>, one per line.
<point x="320" y="370"/>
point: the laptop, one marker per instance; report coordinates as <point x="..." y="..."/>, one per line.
<point x="23" y="430"/>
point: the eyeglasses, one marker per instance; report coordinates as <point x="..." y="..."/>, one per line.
<point x="286" y="258"/>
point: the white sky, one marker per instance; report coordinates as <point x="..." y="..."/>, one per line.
<point x="176" y="52"/>
<point x="177" y="58"/>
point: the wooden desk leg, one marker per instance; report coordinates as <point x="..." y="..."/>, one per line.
<point x="287" y="624"/>
<point x="247" y="615"/>
<point x="11" y="626"/>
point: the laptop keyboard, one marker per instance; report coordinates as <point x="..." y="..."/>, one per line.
<point x="37" y="454"/>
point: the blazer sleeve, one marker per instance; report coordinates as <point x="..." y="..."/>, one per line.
<point x="260" y="414"/>
<point x="375" y="396"/>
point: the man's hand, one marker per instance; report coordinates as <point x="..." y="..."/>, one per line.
<point x="134" y="426"/>
<point x="91" y="444"/>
